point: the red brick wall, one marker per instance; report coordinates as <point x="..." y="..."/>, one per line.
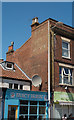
<point x="59" y="59"/>
<point x="58" y="51"/>
<point x="32" y="56"/>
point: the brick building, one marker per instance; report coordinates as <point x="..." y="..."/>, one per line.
<point x="49" y="53"/>
<point x="17" y="101"/>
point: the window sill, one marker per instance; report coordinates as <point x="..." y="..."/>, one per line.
<point x="66" y="85"/>
<point x="66" y="57"/>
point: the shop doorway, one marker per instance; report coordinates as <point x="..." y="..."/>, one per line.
<point x="12" y="112"/>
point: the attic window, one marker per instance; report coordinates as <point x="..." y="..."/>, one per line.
<point x="9" y="65"/>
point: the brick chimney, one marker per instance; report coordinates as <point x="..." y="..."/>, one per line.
<point x="35" y="23"/>
<point x="1" y="60"/>
<point x="10" y="48"/>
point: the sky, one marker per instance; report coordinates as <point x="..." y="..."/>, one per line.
<point x="17" y="19"/>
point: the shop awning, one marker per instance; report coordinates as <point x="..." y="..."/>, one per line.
<point x="66" y="103"/>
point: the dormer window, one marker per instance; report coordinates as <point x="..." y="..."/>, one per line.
<point x="8" y="65"/>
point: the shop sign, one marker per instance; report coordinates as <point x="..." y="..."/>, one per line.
<point x="63" y="96"/>
<point x="26" y="95"/>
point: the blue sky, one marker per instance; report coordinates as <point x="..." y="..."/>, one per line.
<point x="17" y="19"/>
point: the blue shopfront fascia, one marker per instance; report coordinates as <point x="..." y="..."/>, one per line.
<point x="13" y="97"/>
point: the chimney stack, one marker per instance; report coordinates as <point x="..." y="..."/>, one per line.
<point x="35" y="23"/>
<point x="10" y="48"/>
<point x="1" y="60"/>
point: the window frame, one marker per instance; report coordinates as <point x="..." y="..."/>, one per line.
<point x="68" y="75"/>
<point x="9" y="68"/>
<point x="37" y="105"/>
<point x="11" y="85"/>
<point x="67" y="50"/>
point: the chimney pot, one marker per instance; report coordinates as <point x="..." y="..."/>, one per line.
<point x="35" y="23"/>
<point x="36" y="19"/>
<point x="33" y="20"/>
<point x="12" y="43"/>
<point x="10" y="48"/>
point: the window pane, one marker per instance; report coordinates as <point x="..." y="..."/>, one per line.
<point x="60" y="79"/>
<point x="33" y="117"/>
<point x="33" y="109"/>
<point x="65" y="53"/>
<point x="60" y="70"/>
<point x="42" y="110"/>
<point x="21" y="87"/>
<point x="23" y="109"/>
<point x="65" y="79"/>
<point x="33" y="102"/>
<point x="15" y="86"/>
<point x="71" y="72"/>
<point x="9" y="65"/>
<point x="24" y="102"/>
<point x="10" y="85"/>
<point x="60" y="76"/>
<point x="65" y="45"/>
<point x="71" y="80"/>
<point x="66" y="70"/>
<point x="23" y="117"/>
<point x="42" y="103"/>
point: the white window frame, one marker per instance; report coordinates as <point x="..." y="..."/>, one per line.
<point x="8" y="67"/>
<point x="68" y="75"/>
<point x="18" y="86"/>
<point x="68" y="42"/>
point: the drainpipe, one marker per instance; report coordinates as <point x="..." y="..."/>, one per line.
<point x="49" y="68"/>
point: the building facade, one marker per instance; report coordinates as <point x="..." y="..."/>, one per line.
<point x="17" y="101"/>
<point x="26" y="105"/>
<point x="49" y="54"/>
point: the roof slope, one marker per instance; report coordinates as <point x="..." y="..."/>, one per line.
<point x="14" y="74"/>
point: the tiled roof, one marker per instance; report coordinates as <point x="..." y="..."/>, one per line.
<point x="15" y="74"/>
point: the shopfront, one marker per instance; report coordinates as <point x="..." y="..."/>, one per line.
<point x="26" y="105"/>
<point x="63" y="104"/>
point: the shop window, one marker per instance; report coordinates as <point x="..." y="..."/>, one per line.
<point x="42" y="107"/>
<point x="10" y="85"/>
<point x="24" y="102"/>
<point x="15" y="86"/>
<point x="23" y="109"/>
<point x="33" y="102"/>
<point x="42" y="103"/>
<point x="41" y="110"/>
<point x="33" y="107"/>
<point x="65" y="49"/>
<point x="32" y="110"/>
<point x="65" y="75"/>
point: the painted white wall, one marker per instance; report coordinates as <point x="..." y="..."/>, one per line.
<point x="26" y="87"/>
<point x="5" y="83"/>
